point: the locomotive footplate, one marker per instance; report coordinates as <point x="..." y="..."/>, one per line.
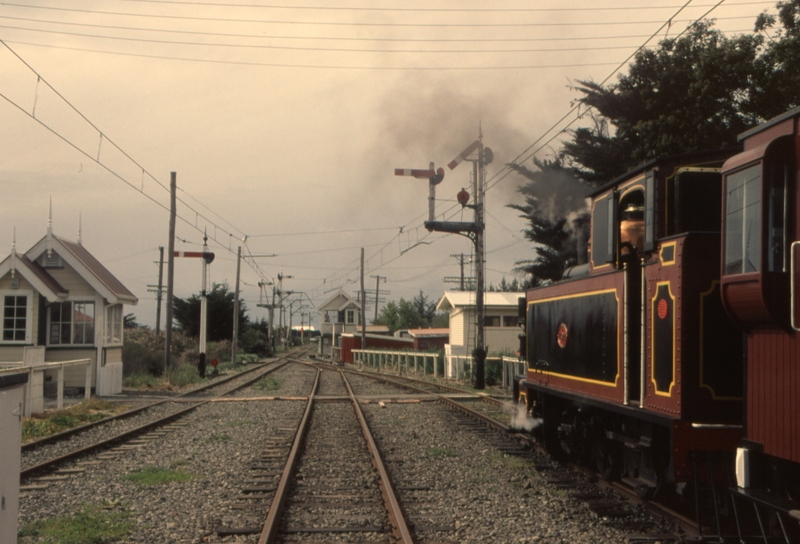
<point x="628" y="443"/>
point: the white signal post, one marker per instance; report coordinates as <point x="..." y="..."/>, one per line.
<point x="207" y="258"/>
<point x="434" y="178"/>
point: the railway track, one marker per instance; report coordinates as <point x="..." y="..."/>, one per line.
<point x="333" y="483"/>
<point x="142" y="423"/>
<point x="480" y="412"/>
<point x="454" y="478"/>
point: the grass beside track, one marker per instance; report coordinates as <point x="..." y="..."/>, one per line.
<point x="95" y="524"/>
<point x="55" y="421"/>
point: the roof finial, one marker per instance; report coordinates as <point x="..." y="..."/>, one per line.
<point x="480" y="132"/>
<point x="14" y="252"/>
<point x="79" y="228"/>
<point x="49" y="242"/>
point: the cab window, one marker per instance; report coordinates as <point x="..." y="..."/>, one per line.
<point x="742" y="221"/>
<point x="631" y="224"/>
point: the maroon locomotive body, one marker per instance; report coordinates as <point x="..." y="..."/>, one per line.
<point x="677" y="341"/>
<point x="760" y="252"/>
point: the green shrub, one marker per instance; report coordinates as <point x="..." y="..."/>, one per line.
<point x="141" y="381"/>
<point x="184" y="374"/>
<point x="267" y="384"/>
<point x="60" y="420"/>
<point x="254" y="341"/>
<point x="221" y="351"/>
<point x="493" y="372"/>
<point x="143" y="351"/>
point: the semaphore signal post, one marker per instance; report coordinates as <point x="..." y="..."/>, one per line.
<point x="479" y="156"/>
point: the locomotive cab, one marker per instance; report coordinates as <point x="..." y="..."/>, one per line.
<point x="759" y="271"/>
<point x="630" y="365"/>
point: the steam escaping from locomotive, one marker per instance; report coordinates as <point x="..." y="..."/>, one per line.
<point x="520" y="420"/>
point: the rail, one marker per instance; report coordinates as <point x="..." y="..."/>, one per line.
<point x="34" y="389"/>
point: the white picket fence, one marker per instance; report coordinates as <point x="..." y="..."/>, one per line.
<point x="403" y="362"/>
<point x="34" y="390"/>
<point x="455" y="366"/>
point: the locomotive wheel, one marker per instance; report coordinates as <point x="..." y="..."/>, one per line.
<point x="608" y="458"/>
<point x="551" y="416"/>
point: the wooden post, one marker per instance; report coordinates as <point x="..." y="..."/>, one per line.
<point x="170" y="272"/>
<point x="363" y="316"/>
<point x="159" y="293"/>
<point x="236" y="307"/>
<point x="87" y="393"/>
<point x="60" y="388"/>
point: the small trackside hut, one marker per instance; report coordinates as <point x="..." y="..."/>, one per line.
<point x="61" y="304"/>
<point x="632" y="361"/>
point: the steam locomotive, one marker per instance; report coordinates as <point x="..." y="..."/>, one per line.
<point x="671" y="357"/>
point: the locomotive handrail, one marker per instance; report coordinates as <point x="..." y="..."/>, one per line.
<point x="792" y="283"/>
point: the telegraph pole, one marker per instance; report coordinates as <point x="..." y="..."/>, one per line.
<point x="170" y="271"/>
<point x="201" y="365"/>
<point x="159" y="289"/>
<point x="461" y="258"/>
<point x="377" y="293"/>
<point x="480" y="347"/>
<point x="271" y="322"/>
<point x="261" y="285"/>
<point x="236" y="307"/>
<point x="363" y="316"/>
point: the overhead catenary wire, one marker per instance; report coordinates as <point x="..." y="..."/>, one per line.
<point x="323" y="66"/>
<point x="459" y="51"/>
<point x="409" y="9"/>
<point x="103" y="136"/>
<point x="250" y="20"/>
<point x="377" y="38"/>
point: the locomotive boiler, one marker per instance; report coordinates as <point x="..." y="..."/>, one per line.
<point x="677" y="340"/>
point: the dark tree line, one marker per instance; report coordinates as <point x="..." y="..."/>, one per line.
<point x="694" y="92"/>
<point x="419" y="312"/>
<point x="253" y="335"/>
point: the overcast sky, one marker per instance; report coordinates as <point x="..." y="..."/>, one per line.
<point x="284" y="122"/>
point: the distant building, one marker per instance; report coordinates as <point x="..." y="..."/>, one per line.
<point x="429" y="339"/>
<point x="340" y="314"/>
<point x="374" y="329"/>
<point x="501" y="332"/>
<point x="61" y="304"/>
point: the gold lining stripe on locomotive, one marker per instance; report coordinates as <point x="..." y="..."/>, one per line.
<point x="667" y="253"/>
<point x="541" y="372"/>
<point x="655" y="310"/>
